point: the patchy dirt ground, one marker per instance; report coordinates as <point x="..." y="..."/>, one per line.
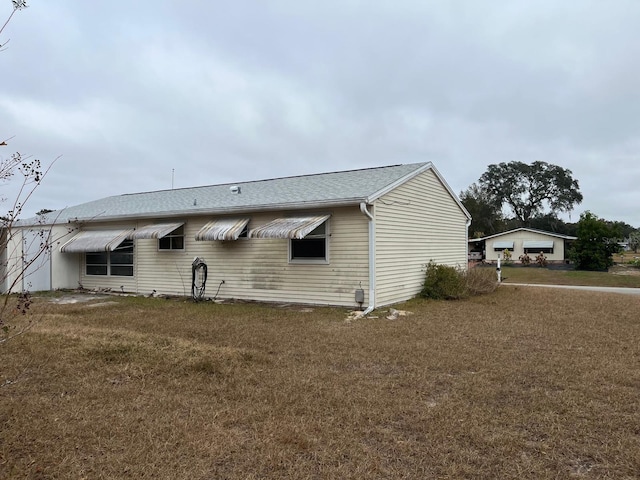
<point x="78" y="297"/>
<point x="624" y="270"/>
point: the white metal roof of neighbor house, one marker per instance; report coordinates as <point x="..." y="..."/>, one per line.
<point x="307" y="191"/>
<point x="525" y="229"/>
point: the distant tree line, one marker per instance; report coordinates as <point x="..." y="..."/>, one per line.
<point x="515" y="194"/>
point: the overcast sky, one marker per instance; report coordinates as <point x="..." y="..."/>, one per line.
<point x="127" y="92"/>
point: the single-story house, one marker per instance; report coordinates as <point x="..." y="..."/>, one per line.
<point x="520" y="241"/>
<point x="342" y="238"/>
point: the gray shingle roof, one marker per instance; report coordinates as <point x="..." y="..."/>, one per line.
<point x="307" y="191"/>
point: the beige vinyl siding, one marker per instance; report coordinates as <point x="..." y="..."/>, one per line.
<point x="258" y="269"/>
<point x="415" y="223"/>
<point x="518" y="238"/>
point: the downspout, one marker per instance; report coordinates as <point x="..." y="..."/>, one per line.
<point x="467" y="241"/>
<point x="372" y="259"/>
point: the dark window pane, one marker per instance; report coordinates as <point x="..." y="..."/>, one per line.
<point x="171" y="243"/>
<point x="319" y="230"/>
<point x="309" y="248"/>
<point x="538" y="250"/>
<point x="122" y="270"/>
<point x="98" y="257"/>
<point x="121" y="258"/>
<point x="177" y="243"/>
<point x="96" y="269"/>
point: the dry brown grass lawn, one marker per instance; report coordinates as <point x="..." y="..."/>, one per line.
<point x="617" y="276"/>
<point x="521" y="383"/>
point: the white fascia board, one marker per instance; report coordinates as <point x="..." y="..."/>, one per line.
<point x="532" y="230"/>
<point x="351" y="202"/>
<point x="392" y="186"/>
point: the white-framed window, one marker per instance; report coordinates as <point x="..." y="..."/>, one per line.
<point x="313" y="248"/>
<point x="539" y="250"/>
<point x="117" y="263"/>
<point x="173" y="241"/>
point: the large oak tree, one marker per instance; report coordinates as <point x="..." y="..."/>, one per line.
<point x="486" y="214"/>
<point x="531" y="190"/>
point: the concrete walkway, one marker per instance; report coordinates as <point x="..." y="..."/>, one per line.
<point x="623" y="290"/>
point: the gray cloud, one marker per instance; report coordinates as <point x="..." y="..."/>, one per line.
<point x="222" y="92"/>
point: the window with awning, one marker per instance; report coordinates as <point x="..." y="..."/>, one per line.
<point x="223" y="229"/>
<point x="96" y="241"/>
<point x="538" y="246"/>
<point x="502" y="245"/>
<point x="158" y="230"/>
<point x="308" y="237"/>
<point x="106" y="252"/>
<point x="289" y="227"/>
<point x="170" y="236"/>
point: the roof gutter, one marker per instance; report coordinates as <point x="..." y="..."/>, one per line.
<point x="372" y="259"/>
<point x="216" y="211"/>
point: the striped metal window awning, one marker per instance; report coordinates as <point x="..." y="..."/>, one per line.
<point x="158" y="230"/>
<point x="293" y="227"/>
<point x="503" y="244"/>
<point x="222" y="229"/>
<point x="538" y="244"/>
<point x="96" y="241"/>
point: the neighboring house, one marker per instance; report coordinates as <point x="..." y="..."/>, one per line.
<point x="313" y="239"/>
<point x="554" y="246"/>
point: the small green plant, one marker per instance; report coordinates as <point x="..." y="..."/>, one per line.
<point x="443" y="282"/>
<point x="506" y="255"/>
<point x="525" y="259"/>
<point x="541" y="260"/>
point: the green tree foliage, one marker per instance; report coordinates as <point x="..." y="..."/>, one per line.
<point x="551" y="223"/>
<point x="596" y="243"/>
<point x="623" y="228"/>
<point x="486" y="215"/>
<point x="530" y="190"/>
<point x="634" y="241"/>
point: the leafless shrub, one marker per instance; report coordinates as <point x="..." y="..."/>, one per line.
<point x="480" y="281"/>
